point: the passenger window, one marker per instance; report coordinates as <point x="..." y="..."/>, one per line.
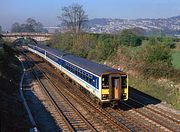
<point x="83" y="75"/>
<point x="70" y="68"/>
<point x="90" y="79"/>
<point x="74" y="70"/>
<point x="78" y="72"/>
<point x="87" y="78"/>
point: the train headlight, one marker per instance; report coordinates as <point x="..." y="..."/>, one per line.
<point x="104" y="96"/>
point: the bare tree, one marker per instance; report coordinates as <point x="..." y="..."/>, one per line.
<point x="73" y="17"/>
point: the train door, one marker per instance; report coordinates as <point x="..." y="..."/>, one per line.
<point x="115" y="87"/>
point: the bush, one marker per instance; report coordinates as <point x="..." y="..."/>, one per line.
<point x="128" y="38"/>
<point x="83" y="44"/>
<point x="63" y="42"/>
<point x="155" y="60"/>
<point x="103" y="50"/>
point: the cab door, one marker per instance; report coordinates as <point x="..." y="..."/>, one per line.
<point x="115" y="87"/>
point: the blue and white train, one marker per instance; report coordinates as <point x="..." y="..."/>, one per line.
<point x="108" y="85"/>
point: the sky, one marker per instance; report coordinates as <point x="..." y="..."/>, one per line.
<point x="46" y="11"/>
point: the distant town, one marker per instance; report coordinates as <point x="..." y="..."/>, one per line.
<point x="168" y="26"/>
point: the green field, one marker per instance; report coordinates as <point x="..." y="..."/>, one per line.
<point x="176" y="59"/>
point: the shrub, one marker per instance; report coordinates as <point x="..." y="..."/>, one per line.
<point x="103" y="50"/>
<point x="155" y="60"/>
<point x="128" y="38"/>
<point x="83" y="44"/>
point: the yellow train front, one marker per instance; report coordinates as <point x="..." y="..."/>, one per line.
<point x="114" y="87"/>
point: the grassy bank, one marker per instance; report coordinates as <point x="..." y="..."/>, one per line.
<point x="163" y="89"/>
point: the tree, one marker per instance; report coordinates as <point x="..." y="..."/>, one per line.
<point x="16" y="27"/>
<point x="38" y="27"/>
<point x="128" y="38"/>
<point x="73" y="17"/>
<point x="168" y="41"/>
<point x="30" y="26"/>
<point x="155" y="60"/>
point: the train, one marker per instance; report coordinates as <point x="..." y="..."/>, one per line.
<point x="107" y="85"/>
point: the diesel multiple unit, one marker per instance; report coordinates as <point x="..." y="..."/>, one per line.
<point x="108" y="85"/>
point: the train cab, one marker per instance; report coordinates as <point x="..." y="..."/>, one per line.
<point x="114" y="87"/>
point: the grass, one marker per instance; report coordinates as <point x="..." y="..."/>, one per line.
<point x="176" y="59"/>
<point x="164" y="91"/>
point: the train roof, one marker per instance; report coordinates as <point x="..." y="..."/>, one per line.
<point x="86" y="64"/>
<point x="91" y="66"/>
<point x="51" y="50"/>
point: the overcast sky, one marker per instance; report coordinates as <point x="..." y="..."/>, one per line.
<point x="46" y="11"/>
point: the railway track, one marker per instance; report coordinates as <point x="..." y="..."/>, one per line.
<point x="73" y="119"/>
<point x="171" y="116"/>
<point x="158" y="120"/>
<point x="158" y="111"/>
<point x="137" y="123"/>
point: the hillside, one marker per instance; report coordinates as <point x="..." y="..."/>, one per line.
<point x="168" y="26"/>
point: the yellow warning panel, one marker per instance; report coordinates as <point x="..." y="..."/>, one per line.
<point x="105" y="91"/>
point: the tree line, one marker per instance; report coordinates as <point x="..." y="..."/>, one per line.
<point x="31" y="25"/>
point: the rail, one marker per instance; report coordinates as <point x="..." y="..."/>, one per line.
<point x="50" y="97"/>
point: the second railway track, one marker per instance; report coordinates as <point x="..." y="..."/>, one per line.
<point x="158" y="120"/>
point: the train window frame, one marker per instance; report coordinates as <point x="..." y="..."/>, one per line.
<point x="84" y="74"/>
<point x="68" y="67"/>
<point x="87" y="77"/>
<point x="76" y="70"/>
<point x="81" y="75"/>
<point x="90" y="79"/>
<point x="78" y="73"/>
